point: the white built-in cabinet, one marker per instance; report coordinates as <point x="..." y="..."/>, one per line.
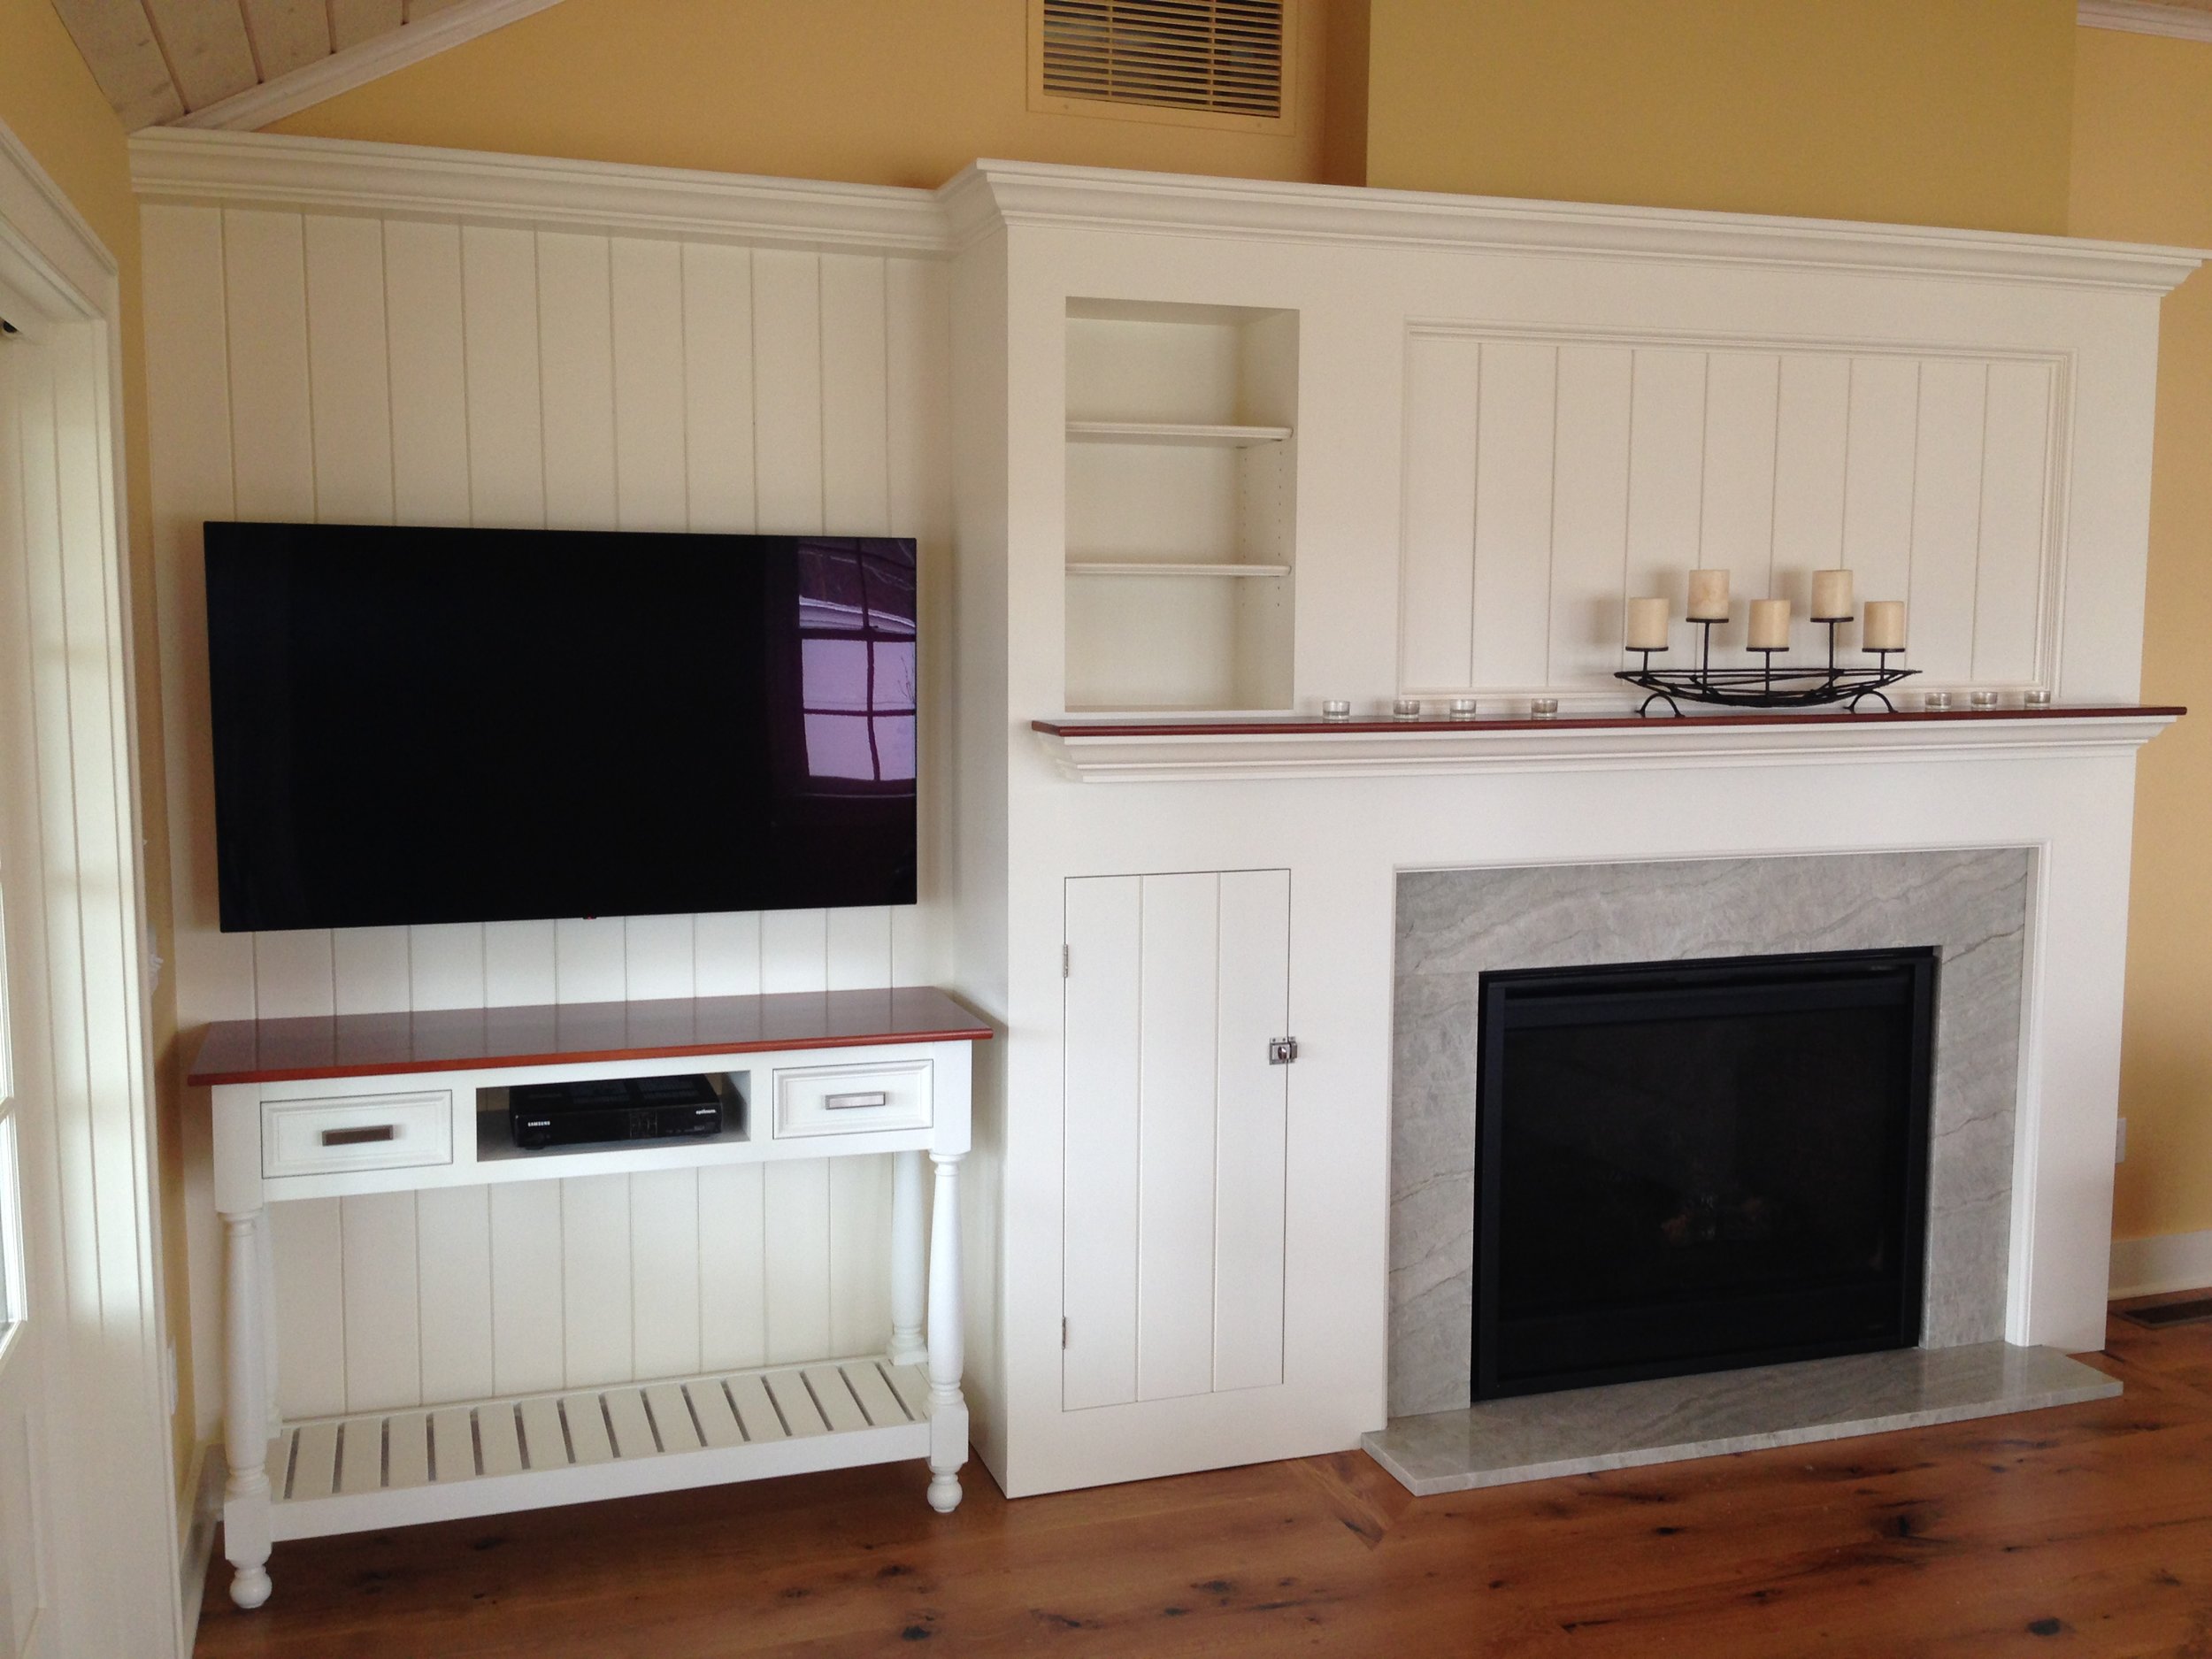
<point x="1180" y="467"/>
<point x="1177" y="990"/>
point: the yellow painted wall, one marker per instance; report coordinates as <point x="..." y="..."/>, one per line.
<point x="1919" y="111"/>
<point x="2143" y="171"/>
<point x="870" y="91"/>
<point x="47" y="99"/>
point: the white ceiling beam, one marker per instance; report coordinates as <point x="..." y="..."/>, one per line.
<point x="356" y="65"/>
<point x="2142" y="17"/>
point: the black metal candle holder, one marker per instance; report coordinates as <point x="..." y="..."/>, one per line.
<point x="1767" y="686"/>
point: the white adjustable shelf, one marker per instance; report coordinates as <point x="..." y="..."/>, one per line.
<point x="1169" y="567"/>
<point x="488" y="1456"/>
<point x="1174" y="433"/>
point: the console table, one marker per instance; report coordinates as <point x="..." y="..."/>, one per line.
<point x="333" y="1107"/>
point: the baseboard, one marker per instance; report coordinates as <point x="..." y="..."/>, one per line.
<point x="2164" y="1262"/>
<point x="205" y="1484"/>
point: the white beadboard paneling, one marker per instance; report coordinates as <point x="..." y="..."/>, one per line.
<point x="1590" y="513"/>
<point x="733" y="1268"/>
<point x="576" y="359"/>
<point x="1877" y="490"/>
<point x="1443" y="378"/>
<point x="292" y="974"/>
<point x="657" y="957"/>
<point x="726" y="947"/>
<point x="787" y="415"/>
<point x="718" y="314"/>
<point x="858" y="947"/>
<point x="1666" y="473"/>
<point x="349" y="358"/>
<point x="382" y="1311"/>
<point x="264" y="260"/>
<point x="2015" y="486"/>
<point x="588" y="957"/>
<point x="796" y="1206"/>
<point x="308" y="1251"/>
<point x="453" y="1253"/>
<point x="1811" y="451"/>
<point x="371" y="970"/>
<point x="793" y="950"/>
<point x="856" y="498"/>
<point x="506" y="450"/>
<point x="1252" y="1140"/>
<point x="665" y="1271"/>
<point x="1099" y="1144"/>
<point x="446" y="964"/>
<point x="521" y="964"/>
<point x="1946" y="521"/>
<point x="649" y="385"/>
<point x="1742" y="389"/>
<point x="859" y="1255"/>
<point x="426" y="344"/>
<point x="1513" y="512"/>
<point x="527" y="1299"/>
<point x="1178" y="950"/>
<point x="595" y="1305"/>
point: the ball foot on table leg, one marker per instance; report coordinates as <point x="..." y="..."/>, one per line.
<point x="249" y="1587"/>
<point x="944" y="1494"/>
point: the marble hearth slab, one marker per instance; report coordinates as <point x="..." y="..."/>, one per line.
<point x="1578" y="1431"/>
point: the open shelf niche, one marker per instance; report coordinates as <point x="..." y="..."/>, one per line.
<point x="1181" y="472"/>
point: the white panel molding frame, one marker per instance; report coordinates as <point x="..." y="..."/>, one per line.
<point x="2145" y="17"/>
<point x="340" y="175"/>
<point x="357" y="65"/>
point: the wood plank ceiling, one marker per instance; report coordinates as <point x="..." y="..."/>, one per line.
<point x="158" y="61"/>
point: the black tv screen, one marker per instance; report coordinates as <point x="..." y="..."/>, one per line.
<point x="422" y="725"/>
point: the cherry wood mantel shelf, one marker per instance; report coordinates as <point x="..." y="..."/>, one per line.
<point x="480" y="1038"/>
<point x="1137" y="748"/>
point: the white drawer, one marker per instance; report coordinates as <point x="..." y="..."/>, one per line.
<point x="362" y="1132"/>
<point x="851" y="1100"/>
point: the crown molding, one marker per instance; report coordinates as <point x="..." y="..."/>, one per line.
<point x="48" y="253"/>
<point x="1026" y="193"/>
<point x="328" y="175"/>
<point x="344" y="176"/>
<point x="357" y="65"/>
<point x="2141" y="17"/>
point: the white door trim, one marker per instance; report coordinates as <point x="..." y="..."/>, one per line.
<point x="116" y="1476"/>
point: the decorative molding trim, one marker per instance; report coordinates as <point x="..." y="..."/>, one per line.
<point x="357" y="65"/>
<point x="2142" y="17"/>
<point x="1026" y="193"/>
<point x="338" y="175"/>
<point x="47" y="249"/>
<point x="2164" y="1262"/>
<point x="1224" y="756"/>
<point x="202" y="1517"/>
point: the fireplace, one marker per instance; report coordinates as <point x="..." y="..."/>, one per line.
<point x="1691" y="1166"/>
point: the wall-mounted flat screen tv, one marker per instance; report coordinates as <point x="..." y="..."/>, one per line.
<point x="416" y="725"/>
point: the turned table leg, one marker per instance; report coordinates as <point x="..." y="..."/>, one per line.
<point x="909" y="1257"/>
<point x="947" y="1411"/>
<point x="246" y="1410"/>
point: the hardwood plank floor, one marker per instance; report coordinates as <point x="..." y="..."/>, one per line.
<point x="2084" y="1530"/>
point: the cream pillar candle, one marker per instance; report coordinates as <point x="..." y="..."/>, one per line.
<point x="1883" y="627"/>
<point x="1647" y="625"/>
<point x="1832" y="595"/>
<point x="1770" y="624"/>
<point x="1709" y="595"/>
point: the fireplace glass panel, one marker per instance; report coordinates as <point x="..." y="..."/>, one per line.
<point x="1692" y="1166"/>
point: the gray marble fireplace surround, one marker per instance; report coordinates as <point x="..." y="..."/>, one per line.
<point x="1452" y="925"/>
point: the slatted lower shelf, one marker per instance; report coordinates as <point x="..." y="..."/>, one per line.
<point x="487" y="1457"/>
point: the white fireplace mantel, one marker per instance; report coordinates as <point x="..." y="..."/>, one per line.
<point x="1130" y="751"/>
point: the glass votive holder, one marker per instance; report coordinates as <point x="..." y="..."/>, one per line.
<point x="1983" y="701"/>
<point x="2035" y="698"/>
<point x="1406" y="709"/>
<point x="1336" y="709"/>
<point x="1463" y="708"/>
<point x="1936" y="702"/>
<point x="1543" y="707"/>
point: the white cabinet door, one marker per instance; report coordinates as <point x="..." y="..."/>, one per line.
<point x="1172" y="1186"/>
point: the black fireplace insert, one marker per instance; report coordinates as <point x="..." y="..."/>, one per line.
<point x="1691" y="1166"/>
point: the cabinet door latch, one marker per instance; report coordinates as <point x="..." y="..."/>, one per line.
<point x="1282" y="1050"/>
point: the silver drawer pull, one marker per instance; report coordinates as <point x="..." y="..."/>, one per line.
<point x="360" y="1137"/>
<point x="845" y="1102"/>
